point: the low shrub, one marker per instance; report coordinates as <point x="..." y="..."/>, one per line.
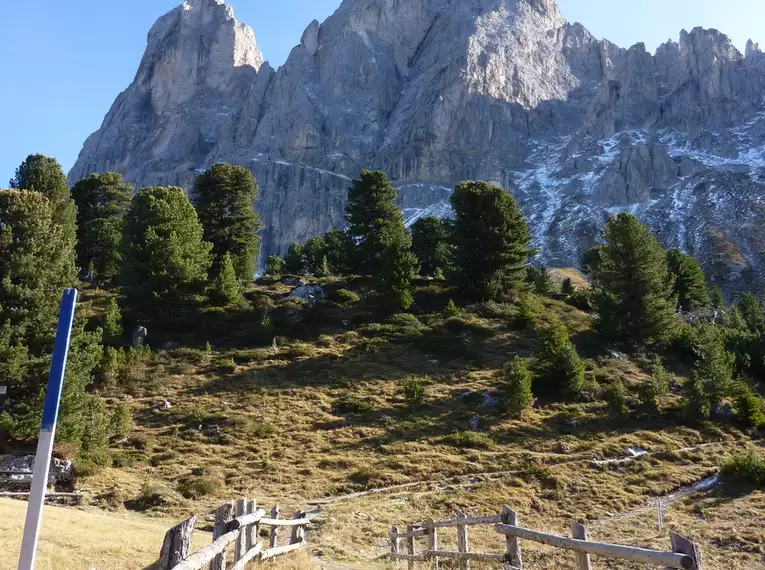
<point x="451" y="310"/>
<point x="90" y="464"/>
<point x="747" y="469"/>
<point x="151" y="496"/>
<point x="527" y="311"/>
<point x="469" y="440"/>
<point x="121" y="421"/>
<point x="615" y="396"/>
<point x="352" y="404"/>
<point x="750" y="410"/>
<point x="345" y="297"/>
<point x="263" y="430"/>
<point x="414" y="392"/>
<point x="582" y="299"/>
<point x="196" y="487"/>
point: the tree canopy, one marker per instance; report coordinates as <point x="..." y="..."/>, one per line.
<point x="166" y="259"/>
<point x="635" y="299"/>
<point x="102" y="201"/>
<point x="223" y="198"/>
<point x="491" y="240"/>
<point x="429" y="244"/>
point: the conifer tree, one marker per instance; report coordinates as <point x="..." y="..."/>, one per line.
<point x="559" y="370"/>
<point x="567" y="287"/>
<point x="634" y="297"/>
<point x="397" y="271"/>
<point x="751" y="311"/>
<point x="690" y="281"/>
<point x="371" y="212"/>
<point x="323" y="269"/>
<point x="429" y="245"/>
<point x="36" y="264"/>
<point x="714" y="365"/>
<point x="275" y="266"/>
<point x="166" y="260"/>
<point x="44" y="175"/>
<point x="223" y="197"/>
<point x="490" y="240"/>
<point x="293" y="261"/>
<point x="102" y="201"/>
<point x="113" y="321"/>
<point x="716" y="297"/>
<point x="518" y="397"/>
<point x="226" y="289"/>
<point x="338" y="249"/>
<point x="314" y="252"/>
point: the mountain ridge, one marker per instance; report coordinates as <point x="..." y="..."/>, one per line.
<point x="437" y="91"/>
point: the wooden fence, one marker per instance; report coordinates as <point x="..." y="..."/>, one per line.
<point x="685" y="555"/>
<point x="238" y="525"/>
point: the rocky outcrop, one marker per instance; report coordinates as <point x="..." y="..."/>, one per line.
<point x="437" y="91"/>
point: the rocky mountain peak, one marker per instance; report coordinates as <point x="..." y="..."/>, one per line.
<point x="437" y="91"/>
<point x="194" y="45"/>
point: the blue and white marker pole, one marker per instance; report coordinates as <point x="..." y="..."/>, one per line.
<point x="48" y="431"/>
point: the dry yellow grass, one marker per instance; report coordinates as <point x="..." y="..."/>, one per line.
<point x="77" y="539"/>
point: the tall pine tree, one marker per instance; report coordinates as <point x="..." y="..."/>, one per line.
<point x="491" y="240"/>
<point x="223" y="197"/>
<point x="166" y="261"/>
<point x="370" y="210"/>
<point x="429" y="244"/>
<point x="102" y="201"/>
<point x="634" y="297"/>
<point x="36" y="264"/>
<point x="383" y="246"/>
<point x="44" y="175"/>
<point x="690" y="281"/>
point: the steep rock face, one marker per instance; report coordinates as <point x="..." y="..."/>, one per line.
<point x="437" y="91"/>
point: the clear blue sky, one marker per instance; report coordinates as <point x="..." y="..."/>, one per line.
<point x="64" y="62"/>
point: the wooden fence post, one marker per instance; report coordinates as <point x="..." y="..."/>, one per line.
<point x="395" y="542"/>
<point x="682" y="545"/>
<point x="252" y="529"/>
<point x="462" y="540"/>
<point x="433" y="543"/>
<point x="582" y="558"/>
<point x="274" y="529"/>
<point x="410" y="546"/>
<point x="241" y="540"/>
<point x="513" y="552"/>
<point x="222" y="518"/>
<point x="298" y="532"/>
<point x="177" y="544"/>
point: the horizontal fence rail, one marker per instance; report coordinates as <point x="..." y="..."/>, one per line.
<point x="241" y="531"/>
<point x="685" y="554"/>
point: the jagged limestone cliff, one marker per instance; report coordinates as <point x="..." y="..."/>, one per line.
<point x="437" y="91"/>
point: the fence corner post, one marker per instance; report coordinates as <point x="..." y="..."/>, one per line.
<point x="582" y="558"/>
<point x="222" y="517"/>
<point x="682" y="545"/>
<point x="513" y="552"/>
<point x="177" y="544"/>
